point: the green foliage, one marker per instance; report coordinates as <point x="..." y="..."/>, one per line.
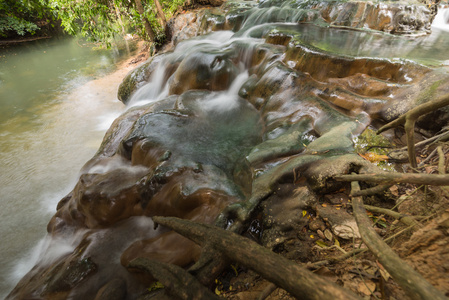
<point x="19" y="16"/>
<point x="19" y="26"/>
<point x="101" y="20"/>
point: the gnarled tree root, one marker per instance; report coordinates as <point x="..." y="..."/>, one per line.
<point x="286" y="274"/>
<point x="411" y="281"/>
<point x="409" y="119"/>
<point x="177" y="281"/>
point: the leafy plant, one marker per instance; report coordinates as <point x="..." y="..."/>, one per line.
<point x="19" y="16"/>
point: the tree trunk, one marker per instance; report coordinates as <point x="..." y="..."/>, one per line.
<point x="160" y="14"/>
<point x="148" y="29"/>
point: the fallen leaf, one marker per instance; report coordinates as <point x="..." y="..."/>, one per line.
<point x="367" y="287"/>
<point x="155" y="286"/>
<point x="235" y="270"/>
<point x="394" y="190"/>
<point x="336" y="242"/>
<point x="324" y="271"/>
<point x="328" y="234"/>
<point x="384" y="273"/>
<point x="322" y="244"/>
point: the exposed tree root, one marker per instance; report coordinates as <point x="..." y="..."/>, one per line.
<point x="286" y="274"/>
<point x="414" y="285"/>
<point x="386" y="177"/>
<point x="409" y="119"/>
<point x="371" y="191"/>
<point x="407" y="220"/>
<point x="177" y="281"/>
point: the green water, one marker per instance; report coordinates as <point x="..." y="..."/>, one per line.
<point x="53" y="117"/>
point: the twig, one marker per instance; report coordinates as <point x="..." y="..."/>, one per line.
<point x="421" y="164"/>
<point x="435" y="138"/>
<point x="412" y="282"/>
<point x="441" y="163"/>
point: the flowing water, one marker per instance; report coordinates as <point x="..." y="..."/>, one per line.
<point x="54" y="112"/>
<point x="50" y="126"/>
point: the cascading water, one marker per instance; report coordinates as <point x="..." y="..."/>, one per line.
<point x="441" y="19"/>
<point x="49" y="127"/>
<point x="220" y="118"/>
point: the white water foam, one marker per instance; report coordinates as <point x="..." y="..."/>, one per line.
<point x="47" y="251"/>
<point x="441" y="20"/>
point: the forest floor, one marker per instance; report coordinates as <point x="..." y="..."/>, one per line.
<point x="424" y="245"/>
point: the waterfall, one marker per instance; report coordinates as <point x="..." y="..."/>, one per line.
<point x="441" y="20"/>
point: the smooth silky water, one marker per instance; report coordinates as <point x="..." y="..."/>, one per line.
<point x="51" y="126"/>
<point x="52" y="120"/>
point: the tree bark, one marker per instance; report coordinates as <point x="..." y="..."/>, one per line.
<point x="160" y="13"/>
<point x="148" y="29"/>
<point x="411" y="281"/>
<point x="286" y="274"/>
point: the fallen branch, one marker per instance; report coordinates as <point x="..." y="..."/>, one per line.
<point x="386" y="177"/>
<point x="177" y="281"/>
<point x="284" y="273"/>
<point x="409" y="119"/>
<point x="414" y="285"/>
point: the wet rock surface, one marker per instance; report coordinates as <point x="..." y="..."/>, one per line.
<point x="225" y="121"/>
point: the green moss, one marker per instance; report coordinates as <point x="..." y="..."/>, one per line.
<point x="372" y="142"/>
<point x="369" y="141"/>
